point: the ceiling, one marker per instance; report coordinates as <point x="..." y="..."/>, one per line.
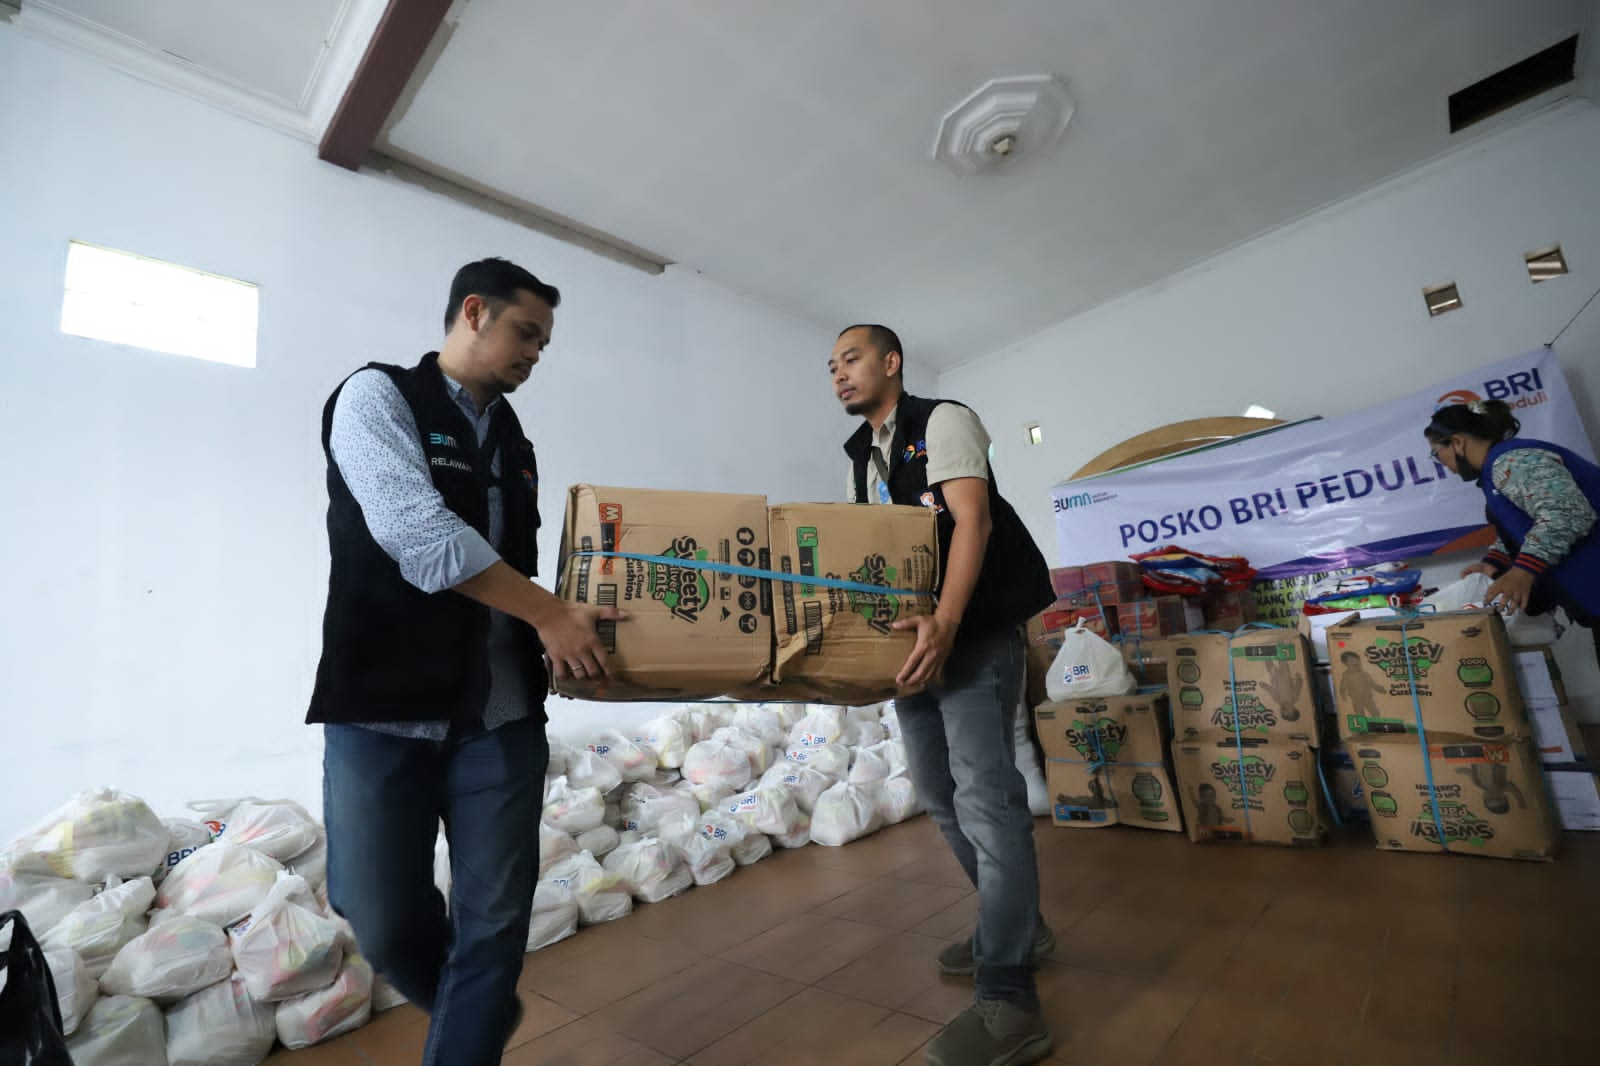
<point x="785" y="149"/>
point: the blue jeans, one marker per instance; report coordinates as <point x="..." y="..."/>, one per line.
<point x="962" y="756"/>
<point x="383" y="797"/>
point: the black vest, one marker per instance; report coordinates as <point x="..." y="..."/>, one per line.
<point x="1014" y="584"/>
<point x="391" y="652"/>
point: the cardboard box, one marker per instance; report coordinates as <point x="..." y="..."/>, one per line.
<point x="1275" y="799"/>
<point x="1491" y="797"/>
<point x="1114" y="582"/>
<point x="1106" y="762"/>
<point x="1577" y="799"/>
<point x="1316" y="626"/>
<point x="1229" y="609"/>
<point x="1041" y="654"/>
<point x="1147" y="659"/>
<point x="1138" y="796"/>
<point x="1160" y="616"/>
<point x="1461" y="664"/>
<point x="1539" y="676"/>
<point x="837" y="646"/>
<point x="692" y="633"/>
<point x="1067" y="580"/>
<point x="1065" y="614"/>
<point x="1272" y="669"/>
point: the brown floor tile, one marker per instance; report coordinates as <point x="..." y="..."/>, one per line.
<point x="343" y="1051"/>
<point x="1219" y="1030"/>
<point x="955" y="922"/>
<point x="696" y="1008"/>
<point x="821" y="1028"/>
<point x="894" y="904"/>
<point x="1261" y="967"/>
<point x="703" y="923"/>
<point x="1111" y="1020"/>
<point x="1385" y="1046"/>
<point x="584" y="981"/>
<point x="938" y="867"/>
<point x="542" y="1016"/>
<point x="808" y="947"/>
<point x="585" y="1042"/>
<point x="902" y="973"/>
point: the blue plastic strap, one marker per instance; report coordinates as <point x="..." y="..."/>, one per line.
<point x="1422" y="735"/>
<point x="1327" y="794"/>
<point x="750" y="571"/>
<point x="1238" y="739"/>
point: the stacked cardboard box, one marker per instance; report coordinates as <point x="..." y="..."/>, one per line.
<point x="1245" y="737"/>
<point x="1433" y="719"/>
<point x="1561" y="747"/>
<point x="695" y="631"/>
<point x="1106" y="762"/>
<point x="1229" y="609"/>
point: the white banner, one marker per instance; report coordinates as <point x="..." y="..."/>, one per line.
<point x="1348" y="491"/>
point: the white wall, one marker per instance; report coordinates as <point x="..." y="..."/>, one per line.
<point x="1323" y="317"/>
<point x="165" y="557"/>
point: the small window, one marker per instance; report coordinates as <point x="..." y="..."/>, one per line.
<point x="1035" y="433"/>
<point x="1545" y="264"/>
<point x="163" y="307"/>
<point x="1442" y="298"/>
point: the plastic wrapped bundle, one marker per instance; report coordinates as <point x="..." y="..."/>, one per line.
<point x="845" y="813"/>
<point x="555" y="845"/>
<point x="650" y="812"/>
<point x="185" y="836"/>
<point x="751" y="849"/>
<point x="830" y="759"/>
<point x="799" y="837"/>
<point x="756" y="750"/>
<point x="762" y="722"/>
<point x="805" y="782"/>
<point x="178" y="957"/>
<point x="98" y="928"/>
<point x="822" y="726"/>
<point x="340" y="1008"/>
<point x="560" y="758"/>
<point x="771" y="810"/>
<point x="718" y="763"/>
<point x="587" y="769"/>
<point x="859" y="734"/>
<point x="312" y="864"/>
<point x="42" y="897"/>
<point x="869" y="768"/>
<point x="278" y="828"/>
<point x="651" y="870"/>
<point x="897" y="800"/>
<point x="708" y="854"/>
<point x="287" y="947"/>
<point x="669" y="736"/>
<point x="789" y="714"/>
<point x="555" y="914"/>
<point x="221" y="883"/>
<point x="573" y="809"/>
<point x="598" y="842"/>
<point x="122" y="1031"/>
<point x="601" y="896"/>
<point x="99" y="834"/>
<point x="76" y="989"/>
<point x="223" y="1025"/>
<point x="634" y="760"/>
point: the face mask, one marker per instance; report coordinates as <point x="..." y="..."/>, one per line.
<point x="1465" y="469"/>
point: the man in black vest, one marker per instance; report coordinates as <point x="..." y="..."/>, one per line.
<point x="969" y="653"/>
<point x="432" y="681"/>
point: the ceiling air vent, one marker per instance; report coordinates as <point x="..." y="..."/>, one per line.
<point x="1539" y="73"/>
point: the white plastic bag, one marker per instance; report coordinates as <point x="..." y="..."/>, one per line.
<point x="279" y="828"/>
<point x="771" y="810"/>
<point x="121" y="1031"/>
<point x="897" y="800"/>
<point x="860" y="733"/>
<point x="312" y="864"/>
<point x="845" y="813"/>
<point x="869" y="767"/>
<point x="1471" y="593"/>
<point x="1027" y="757"/>
<point x="555" y="914"/>
<point x="101" y="833"/>
<point x="76" y="989"/>
<point x="1087" y="665"/>
<point x="573" y="809"/>
<point x="185" y="836"/>
<point x="178" y="957"/>
<point x="830" y="759"/>
<point x="718" y="763"/>
<point x="822" y="726"/>
<point x="798" y="838"/>
<point x="223" y="1025"/>
<point x="560" y="758"/>
<point x="384" y="995"/>
<point x="587" y="769"/>
<point x="650" y="812"/>
<point x="634" y="760"/>
<point x="98" y="928"/>
<point x="651" y="870"/>
<point x="599" y="842"/>
<point x="706" y="797"/>
<point x="340" y="1008"/>
<point x="601" y="896"/>
<point x="761" y="722"/>
<point x="43" y="898"/>
<point x="286" y="947"/>
<point x="789" y="713"/>
<point x="669" y="736"/>
<point x="709" y="854"/>
<point x="756" y="750"/>
<point x="751" y="849"/>
<point x="805" y="782"/>
<point x="221" y="883"/>
<point x="891" y="722"/>
<point x="554" y="845"/>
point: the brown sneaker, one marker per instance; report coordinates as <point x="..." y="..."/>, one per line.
<point x="958" y="960"/>
<point x="991" y="1032"/>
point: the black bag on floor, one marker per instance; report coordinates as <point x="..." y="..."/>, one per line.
<point x="30" y="1014"/>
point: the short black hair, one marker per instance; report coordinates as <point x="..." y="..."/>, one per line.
<point x="882" y="338"/>
<point x="498" y="281"/>
<point x="1490" y="421"/>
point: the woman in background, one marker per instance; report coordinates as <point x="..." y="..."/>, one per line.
<point x="1542" y="501"/>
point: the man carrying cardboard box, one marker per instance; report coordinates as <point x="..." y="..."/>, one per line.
<point x="969" y="653"/>
<point x="431" y="687"/>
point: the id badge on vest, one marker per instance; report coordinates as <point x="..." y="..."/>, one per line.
<point x="883" y="477"/>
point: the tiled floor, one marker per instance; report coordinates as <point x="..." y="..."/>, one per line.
<point x="1169" y="953"/>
